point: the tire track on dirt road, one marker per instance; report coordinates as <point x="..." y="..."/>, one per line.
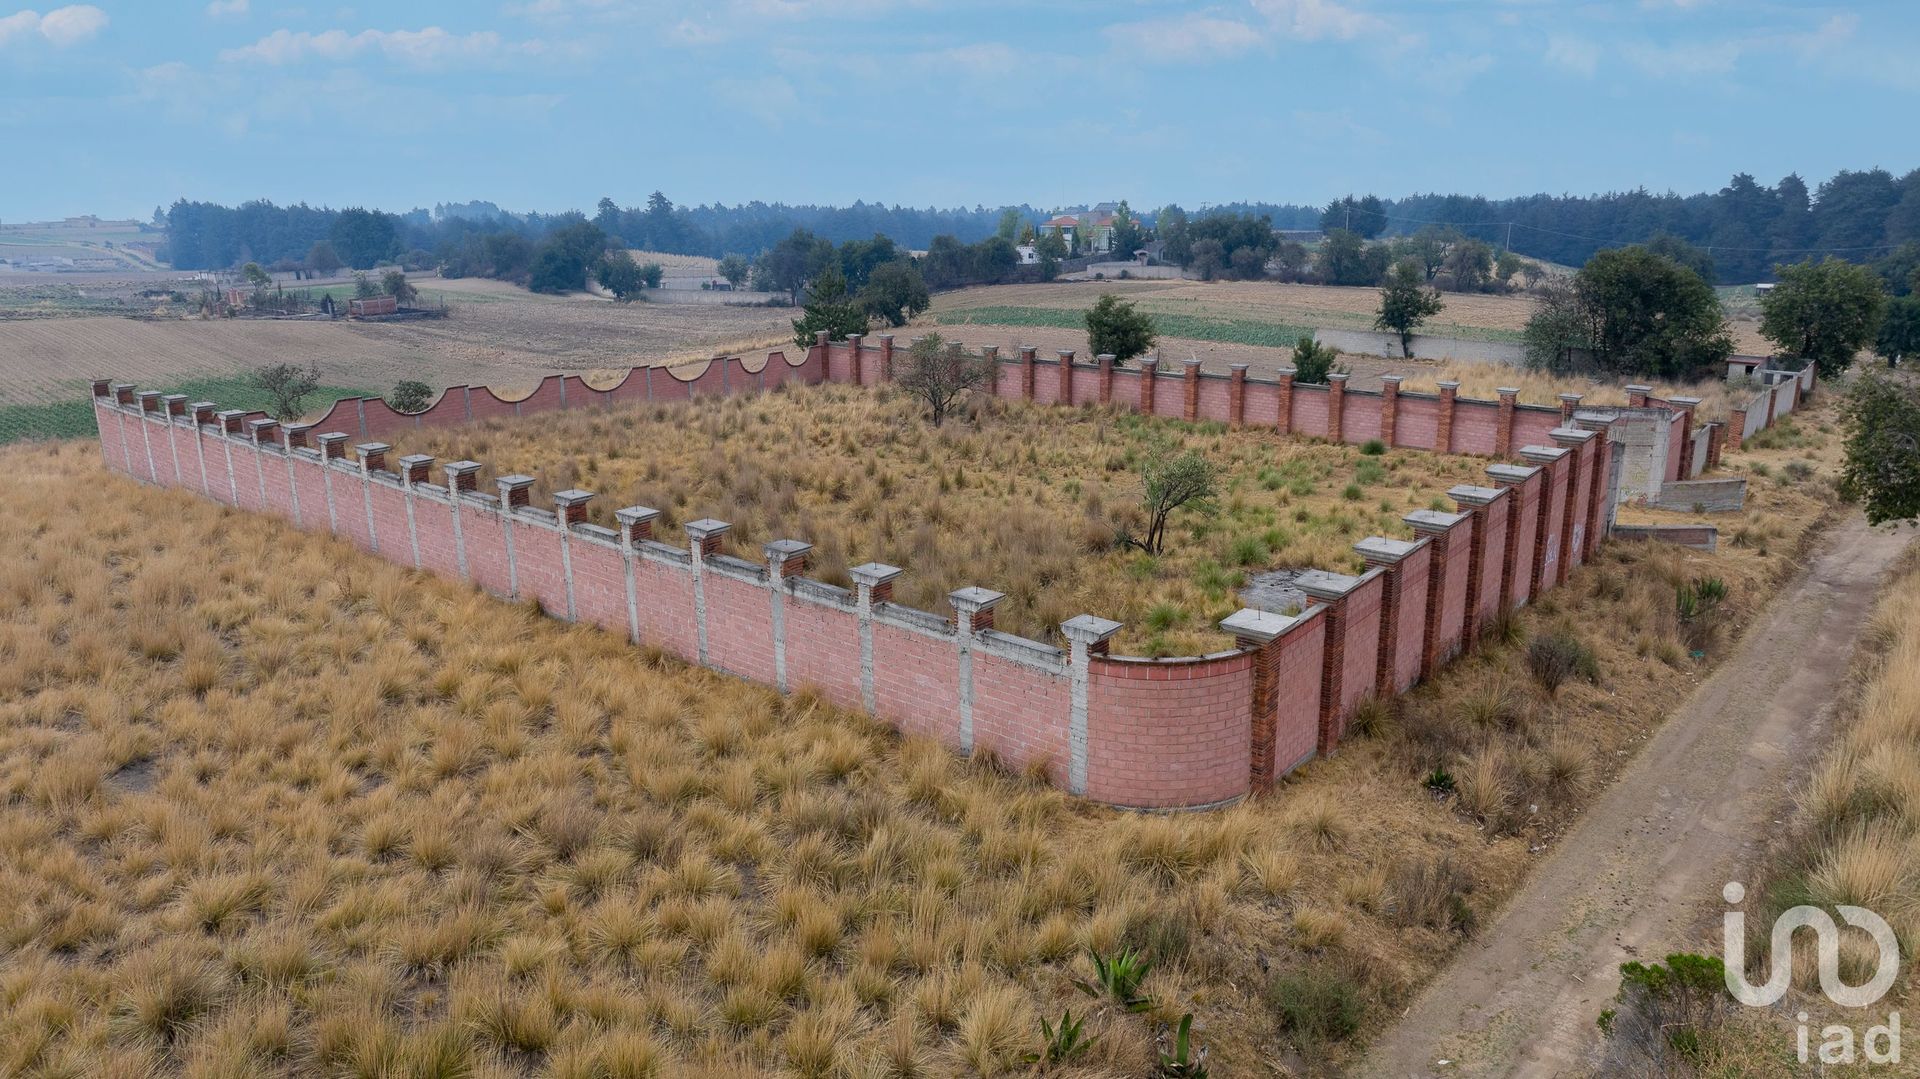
<point x="1643" y="870"/>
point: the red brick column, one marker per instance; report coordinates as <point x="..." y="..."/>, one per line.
<point x="1569" y="402"/>
<point x="1149" y="378"/>
<point x="1026" y="371"/>
<point x="123" y="393"/>
<point x="1443" y="427"/>
<point x="1389" y="407"/>
<point x="1686" y="405"/>
<point x="1105" y="360"/>
<point x="1637" y="396"/>
<point x="1190" y="411"/>
<point x="886" y="357"/>
<point x="1436" y="526"/>
<point x="1578" y="443"/>
<point x="1386" y="554"/>
<point x="1511" y="478"/>
<point x="1330" y="591"/>
<point x="1066" y="376"/>
<point x="1237" y="396"/>
<point x="1736" y="428"/>
<point x="1473" y="501"/>
<point x="1336" y="406"/>
<point x="1260" y="632"/>
<point x="1284" y="422"/>
<point x="1600" y="461"/>
<point x="1544" y="457"/>
<point x="570" y="507"/>
<point x="1716" y="441"/>
<point x="176" y="404"/>
<point x="853" y="358"/>
<point x="1503" y="434"/>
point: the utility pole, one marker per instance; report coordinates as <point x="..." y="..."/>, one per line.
<point x="1509" y="236"/>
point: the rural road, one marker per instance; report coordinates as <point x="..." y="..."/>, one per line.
<point x="1644" y="868"/>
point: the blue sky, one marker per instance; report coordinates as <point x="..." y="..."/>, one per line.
<point x="113" y="108"/>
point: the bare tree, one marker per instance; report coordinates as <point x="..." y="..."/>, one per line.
<point x="287" y="385"/>
<point x="938" y="373"/>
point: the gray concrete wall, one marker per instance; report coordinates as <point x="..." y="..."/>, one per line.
<point x="1709" y="496"/>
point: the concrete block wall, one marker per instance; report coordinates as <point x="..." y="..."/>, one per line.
<point x="1148" y="733"/>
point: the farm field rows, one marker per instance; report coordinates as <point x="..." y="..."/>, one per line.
<point x="229" y="754"/>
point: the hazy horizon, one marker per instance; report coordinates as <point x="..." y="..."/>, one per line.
<point x="112" y="108"/>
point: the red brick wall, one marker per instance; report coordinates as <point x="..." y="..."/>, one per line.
<point x="1495" y="520"/>
<point x="1409" y="637"/>
<point x="1453" y="598"/>
<point x="1297" y="728"/>
<point x="1531" y="424"/>
<point x="1523" y="519"/>
<point x="1554" y="520"/>
<point x="1023" y="715"/>
<point x="915" y="683"/>
<point x="823" y="651"/>
<point x="1214" y="403"/>
<point x="1169" y="733"/>
<point x="1417" y="423"/>
<point x="739" y="628"/>
<point x="1310" y="410"/>
<point x="1360" y="416"/>
<point x="1046" y="381"/>
<point x="1361" y="660"/>
<point x="1476" y="426"/>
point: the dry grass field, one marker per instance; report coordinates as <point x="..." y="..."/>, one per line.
<point x="270" y="807"/>
<point x="1023" y="499"/>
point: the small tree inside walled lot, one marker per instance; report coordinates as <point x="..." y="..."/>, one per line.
<point x="287" y="385"/>
<point x="1116" y="327"/>
<point x="1169" y="482"/>
<point x="1882" y="470"/>
<point x="938" y="373"/>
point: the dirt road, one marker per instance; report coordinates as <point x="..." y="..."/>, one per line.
<point x="1642" y="873"/>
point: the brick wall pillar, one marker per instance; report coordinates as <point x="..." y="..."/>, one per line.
<point x="263" y="430"/>
<point x="333" y="446"/>
<point x="1105" y="360"/>
<point x="415" y="469"/>
<point x="373" y="456"/>
<point x="1569" y="402"/>
<point x="570" y="506"/>
<point x="1387" y="554"/>
<point x="1443" y="424"/>
<point x="103" y="387"/>
<point x="1026" y="371"/>
<point x="150" y="401"/>
<point x="1736" y="428"/>
<point x="990" y="362"/>
<point x="1686" y="405"/>
<point x="636" y="524"/>
<point x="1336" y="406"/>
<point x="873" y="585"/>
<point x="202" y="412"/>
<point x="973" y="608"/>
<point x="1511" y="478"/>
<point x="1637" y="395"/>
<point x="1066" y="376"/>
<point x="886" y="357"/>
<point x="294" y="436"/>
<point x="1473" y="502"/>
<point x="1716" y="441"/>
<point x="1087" y="636"/>
<point x="1503" y="433"/>
<point x="1599" y="468"/>
<point x="853" y="358"/>
<point x="707" y="537"/>
<point x="175" y="404"/>
<point x="1544" y="457"/>
<point x="515" y="491"/>
<point x="1237" y="396"/>
<point x="1436" y="526"/>
<point x="1389" y="407"/>
<point x="123" y="393"/>
<point x="1149" y="379"/>
<point x="1284" y="422"/>
<point x="1190" y="410"/>
<point x="463" y="477"/>
<point x="1259" y="632"/>
<point x="1331" y="593"/>
<point x="1579" y="444"/>
<point x="230" y="420"/>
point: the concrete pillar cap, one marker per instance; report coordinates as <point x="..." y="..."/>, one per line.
<point x="329" y="438"/>
<point x="1472" y="495"/>
<point x="1237" y="368"/>
<point x="1542" y="454"/>
<point x="1449" y="383"/>
<point x="1286" y="372"/>
<point x="415" y="459"/>
<point x="234" y="413"/>
<point x="1430" y="522"/>
<point x="873" y="574"/>
<point x="367" y="449"/>
<point x="1511" y="474"/>
<point x="172" y="397"/>
<point x="457" y="468"/>
<point x="783" y="549"/>
<point x="1253" y="624"/>
<point x="633" y="515"/>
<point x="1383" y="551"/>
<point x="1149" y="361"/>
<point x="1089" y="629"/>
<point x="1570" y="434"/>
<point x="974" y="598"/>
<point x="1324" y="584"/>
<point x="1392" y="380"/>
<point x="1635" y="387"/>
<point x="1338" y="376"/>
<point x="513" y="483"/>
<point x="706" y="527"/>
<point x="1576" y="398"/>
<point x="1685" y="402"/>
<point x="571" y="497"/>
<point x="1507" y="391"/>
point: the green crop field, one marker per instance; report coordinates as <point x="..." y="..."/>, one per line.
<point x="73" y="418"/>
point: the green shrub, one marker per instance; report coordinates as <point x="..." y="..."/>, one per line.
<point x="1317" y="1005"/>
<point x="1555" y="657"/>
<point x="1353" y="493"/>
<point x="1249" y="551"/>
<point x="409" y="396"/>
<point x="1164" y="616"/>
<point x="1373" y="447"/>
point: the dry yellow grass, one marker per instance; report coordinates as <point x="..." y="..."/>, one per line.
<point x="1024" y="499"/>
<point x="1484" y="381"/>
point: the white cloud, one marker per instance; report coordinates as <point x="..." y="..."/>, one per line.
<point x="430" y="47"/>
<point x="770" y="98"/>
<point x="1708" y="58"/>
<point x="1313" y="20"/>
<point x="1578" y="55"/>
<point x="1193" y="36"/>
<point x="986" y="59"/>
<point x="222" y="8"/>
<point x="62" y="26"/>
